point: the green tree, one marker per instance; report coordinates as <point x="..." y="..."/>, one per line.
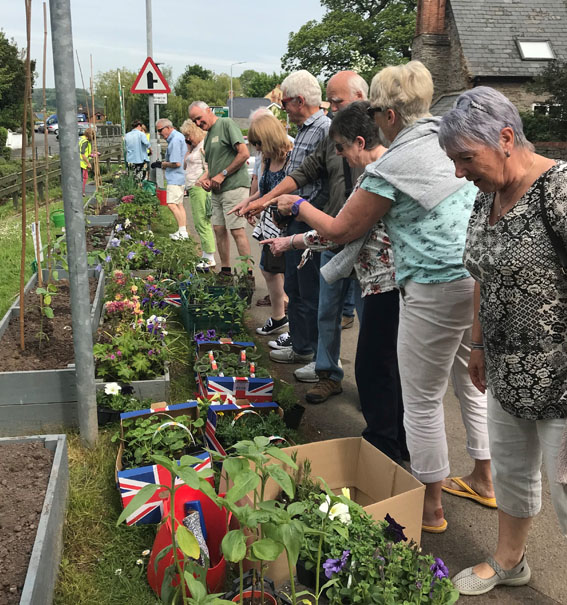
<point x="180" y="88"/>
<point x="213" y="91"/>
<point x="364" y="35"/>
<point x="259" y="84"/>
<point x="552" y="125"/>
<point x="12" y="82"/>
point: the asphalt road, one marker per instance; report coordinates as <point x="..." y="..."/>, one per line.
<point x="472" y="531"/>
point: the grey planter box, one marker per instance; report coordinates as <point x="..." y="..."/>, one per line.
<point x="41" y="401"/>
<point x="46" y="554"/>
<point x="101" y="220"/>
<point x="156" y="389"/>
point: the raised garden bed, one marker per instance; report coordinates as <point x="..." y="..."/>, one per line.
<point x="35" y="398"/>
<point x="35" y="478"/>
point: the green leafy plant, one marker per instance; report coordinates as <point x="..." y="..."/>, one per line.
<point x="119" y="398"/>
<point x="230" y="431"/>
<point x="225" y="362"/>
<point x="144" y="437"/>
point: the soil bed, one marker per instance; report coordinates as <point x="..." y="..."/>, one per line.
<point x="55" y="349"/>
<point x="97" y="237"/>
<point x="24" y="475"/>
<point x="103" y="209"/>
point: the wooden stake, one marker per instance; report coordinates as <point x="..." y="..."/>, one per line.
<point x="46" y="149"/>
<point x="24" y="151"/>
<point x="35" y="197"/>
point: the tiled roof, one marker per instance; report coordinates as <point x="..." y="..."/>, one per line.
<point x="444" y="103"/>
<point x="244" y="106"/>
<point x="488" y="30"/>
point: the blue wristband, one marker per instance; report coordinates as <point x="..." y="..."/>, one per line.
<point x="295" y="207"/>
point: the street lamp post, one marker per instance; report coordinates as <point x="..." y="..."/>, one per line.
<point x="105" y="108"/>
<point x="231" y="91"/>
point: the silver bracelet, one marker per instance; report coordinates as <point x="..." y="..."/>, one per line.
<point x="291" y="238"/>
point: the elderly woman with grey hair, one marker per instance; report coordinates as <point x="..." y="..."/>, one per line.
<point x="519" y="354"/>
<point x="425" y="209"/>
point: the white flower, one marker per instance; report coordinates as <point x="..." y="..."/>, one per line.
<point x="127" y="222"/>
<point x="146" y="552"/>
<point x="112" y="388"/>
<point x="164" y="332"/>
<point x="338" y="511"/>
<point x="139" y="562"/>
<point x="161" y="319"/>
<point x="117" y="572"/>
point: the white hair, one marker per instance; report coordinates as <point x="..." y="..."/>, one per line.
<point x="303" y="84"/>
<point x="358" y="84"/>
<point x="199" y="104"/>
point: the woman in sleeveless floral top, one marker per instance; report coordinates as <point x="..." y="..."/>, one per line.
<point x="519" y="354"/>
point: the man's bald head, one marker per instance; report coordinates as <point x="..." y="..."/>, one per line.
<point x="344" y="88"/>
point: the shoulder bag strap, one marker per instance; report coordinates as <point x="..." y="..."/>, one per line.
<point x="348" y="179"/>
<point x="555" y="239"/>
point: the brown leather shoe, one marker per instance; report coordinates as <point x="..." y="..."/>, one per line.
<point x="324" y="389"/>
<point x="347" y="322"/>
<point x="264" y="302"/>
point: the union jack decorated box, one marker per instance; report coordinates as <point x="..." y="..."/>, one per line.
<point x="131" y="481"/>
<point x="233" y="409"/>
<point x="232" y="387"/>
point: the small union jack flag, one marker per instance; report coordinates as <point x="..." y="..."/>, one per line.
<point x="253" y="389"/>
<point x="173" y="299"/>
<point x="131" y="481"/>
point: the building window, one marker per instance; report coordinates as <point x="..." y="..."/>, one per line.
<point x="535" y="50"/>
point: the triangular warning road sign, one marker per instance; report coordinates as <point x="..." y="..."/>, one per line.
<point x="150" y="80"/>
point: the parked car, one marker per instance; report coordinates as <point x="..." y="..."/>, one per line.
<point x="53" y="127"/>
<point x="39" y="126"/>
<point x="81" y="127"/>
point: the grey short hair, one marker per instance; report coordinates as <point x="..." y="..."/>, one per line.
<point x="358" y="84"/>
<point x="303" y="84"/>
<point x="166" y="123"/>
<point x="199" y="104"/>
<point x="260" y="111"/>
<point x="478" y="116"/>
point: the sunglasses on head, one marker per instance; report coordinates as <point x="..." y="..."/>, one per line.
<point x="371" y="111"/>
<point x="287" y="100"/>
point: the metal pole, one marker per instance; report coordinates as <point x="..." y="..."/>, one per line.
<point x="63" y="64"/>
<point x="230" y="112"/>
<point x="151" y="110"/>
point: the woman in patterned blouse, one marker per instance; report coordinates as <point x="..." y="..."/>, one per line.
<point x="519" y="354"/>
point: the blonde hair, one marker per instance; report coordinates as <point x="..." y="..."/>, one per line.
<point x="407" y="89"/>
<point x="191" y="130"/>
<point x="271" y="133"/>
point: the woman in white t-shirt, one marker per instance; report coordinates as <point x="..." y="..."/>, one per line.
<point x="201" y="209"/>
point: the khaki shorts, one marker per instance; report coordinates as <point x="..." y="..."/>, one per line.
<point x="223" y="203"/>
<point x="175" y="194"/>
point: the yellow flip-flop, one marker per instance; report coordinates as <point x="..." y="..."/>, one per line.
<point x="468" y="492"/>
<point x="435" y="529"/>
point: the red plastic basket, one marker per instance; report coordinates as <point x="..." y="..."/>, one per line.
<point x="215" y="524"/>
<point x="162" y="196"/>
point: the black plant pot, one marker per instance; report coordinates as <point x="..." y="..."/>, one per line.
<point x="293" y="415"/>
<point x="307" y="576"/>
<point x="106" y="416"/>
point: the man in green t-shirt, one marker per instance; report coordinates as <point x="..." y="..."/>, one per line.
<point x="227" y="178"/>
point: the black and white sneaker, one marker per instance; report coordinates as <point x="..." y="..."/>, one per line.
<point x="283" y="341"/>
<point x="273" y="325"/>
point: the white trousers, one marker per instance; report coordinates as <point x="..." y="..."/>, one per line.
<point x="518" y="447"/>
<point x="433" y="344"/>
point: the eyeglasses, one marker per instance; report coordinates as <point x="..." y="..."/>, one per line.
<point x="371" y="111"/>
<point x="189" y="141"/>
<point x="287" y="100"/>
<point x="256" y="143"/>
<point x="340" y="147"/>
<point x="162" y="128"/>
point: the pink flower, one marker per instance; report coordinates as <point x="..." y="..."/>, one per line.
<point x="113" y="357"/>
<point x="119" y="353"/>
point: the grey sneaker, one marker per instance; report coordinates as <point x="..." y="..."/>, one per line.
<point x="288" y="355"/>
<point x="468" y="583"/>
<point x="205" y="264"/>
<point x="307" y="373"/>
<point x="178" y="235"/>
<point x="283" y="341"/>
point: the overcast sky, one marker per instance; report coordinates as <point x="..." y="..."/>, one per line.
<point x="212" y="34"/>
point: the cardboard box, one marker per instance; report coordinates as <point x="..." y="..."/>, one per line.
<point x="233" y="408"/>
<point x="231" y="387"/>
<point x="130" y="481"/>
<point x="376" y="482"/>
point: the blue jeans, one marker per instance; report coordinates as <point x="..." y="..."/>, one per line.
<point x="302" y="289"/>
<point x="348" y="306"/>
<point x="331" y="301"/>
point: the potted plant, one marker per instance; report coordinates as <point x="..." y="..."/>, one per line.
<point x="115" y="399"/>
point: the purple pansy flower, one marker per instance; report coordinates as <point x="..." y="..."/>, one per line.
<point x="108" y="258"/>
<point x="118" y="228"/>
<point x="200" y="336"/>
<point x="332" y="566"/>
<point x="130" y="255"/>
<point x="127" y="236"/>
<point x="439" y="569"/>
<point x="115" y="242"/>
<point x="98" y="268"/>
<point x="211" y="334"/>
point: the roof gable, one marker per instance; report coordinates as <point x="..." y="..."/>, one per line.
<point x="488" y="30"/>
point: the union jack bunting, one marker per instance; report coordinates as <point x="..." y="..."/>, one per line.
<point x="173" y="299"/>
<point x="253" y="389"/>
<point x="130" y="482"/>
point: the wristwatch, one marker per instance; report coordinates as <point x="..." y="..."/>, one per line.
<point x="295" y="207"/>
<point x="224" y="172"/>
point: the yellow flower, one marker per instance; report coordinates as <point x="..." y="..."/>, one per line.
<point x="346" y="492"/>
<point x="134" y="289"/>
